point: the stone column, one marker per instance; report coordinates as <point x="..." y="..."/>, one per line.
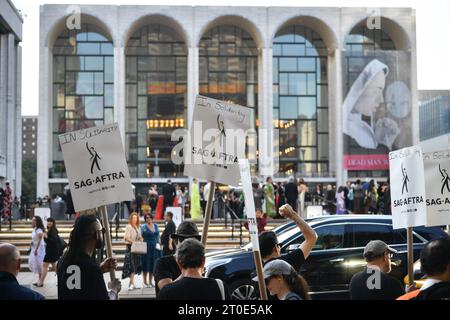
<point x="193" y="82"/>
<point x="192" y="90"/>
<point x="3" y="105"/>
<point x="265" y="113"/>
<point x="44" y="124"/>
<point x="341" y="173"/>
<point x="11" y="113"/>
<point x="19" y="122"/>
<point x="119" y="90"/>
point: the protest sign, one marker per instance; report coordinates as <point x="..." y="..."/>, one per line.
<point x="244" y="167"/>
<point x="437" y="181"/>
<point x="96" y="166"/>
<point x="407" y="185"/>
<point x="177" y="215"/>
<point x="217" y="140"/>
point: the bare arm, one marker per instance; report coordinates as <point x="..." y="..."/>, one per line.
<point x="308" y="232"/>
<point x="39" y="243"/>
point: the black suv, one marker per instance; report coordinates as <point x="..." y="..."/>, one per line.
<point x="336" y="257"/>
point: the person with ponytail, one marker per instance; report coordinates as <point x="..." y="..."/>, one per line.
<point x="284" y="282"/>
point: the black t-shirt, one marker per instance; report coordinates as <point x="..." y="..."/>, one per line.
<point x="389" y="288"/>
<point x="91" y="285"/>
<point x="192" y="289"/>
<point x="169" y="229"/>
<point x="165" y="267"/>
<point x="438" y="291"/>
<point x="295" y="258"/>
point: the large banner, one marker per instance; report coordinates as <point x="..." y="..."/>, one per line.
<point x="437" y="181"/>
<point x="96" y="166"/>
<point x="376" y="113"/>
<point x="407" y="188"/>
<point x="217" y="140"/>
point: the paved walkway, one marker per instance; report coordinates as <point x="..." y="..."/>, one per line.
<point x="49" y="290"/>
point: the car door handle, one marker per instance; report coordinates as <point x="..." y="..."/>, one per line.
<point x="336" y="260"/>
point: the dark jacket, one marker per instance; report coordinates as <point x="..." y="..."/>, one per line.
<point x="291" y="192"/>
<point x="168" y="191"/>
<point x="438" y="291"/>
<point x="10" y="289"/>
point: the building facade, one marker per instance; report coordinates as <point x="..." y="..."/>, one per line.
<point x="142" y="66"/>
<point x="10" y="96"/>
<point x="434" y="110"/>
<point x="29" y="137"/>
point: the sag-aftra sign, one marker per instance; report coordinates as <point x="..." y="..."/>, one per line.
<point x="96" y="166"/>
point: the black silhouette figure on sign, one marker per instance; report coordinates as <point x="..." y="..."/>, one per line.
<point x="94" y="158"/>
<point x="221" y="127"/>
<point x="405" y="180"/>
<point x="445" y="179"/>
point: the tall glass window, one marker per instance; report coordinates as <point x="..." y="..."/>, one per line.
<point x="156" y="88"/>
<point x="228" y="59"/>
<point x="300" y="101"/>
<point x="83" y="85"/>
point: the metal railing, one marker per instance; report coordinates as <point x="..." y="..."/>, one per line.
<point x="234" y="217"/>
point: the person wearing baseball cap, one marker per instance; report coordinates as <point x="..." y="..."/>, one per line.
<point x="374" y="283"/>
<point x="284" y="282"/>
<point x="166" y="268"/>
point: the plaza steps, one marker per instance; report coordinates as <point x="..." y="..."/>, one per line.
<point x="219" y="237"/>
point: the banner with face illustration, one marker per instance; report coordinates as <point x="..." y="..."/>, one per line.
<point x="376" y="113"/>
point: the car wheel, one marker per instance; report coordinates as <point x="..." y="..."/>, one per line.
<point x="243" y="289"/>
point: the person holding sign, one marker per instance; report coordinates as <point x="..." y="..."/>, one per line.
<point x="79" y="277"/>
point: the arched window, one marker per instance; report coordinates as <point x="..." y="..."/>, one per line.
<point x="300" y="101"/>
<point x="83" y="84"/>
<point x="228" y="59"/>
<point x="156" y="87"/>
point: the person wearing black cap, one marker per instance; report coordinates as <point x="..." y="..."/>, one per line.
<point x="374" y="283"/>
<point x="166" y="269"/>
<point x="79" y="277"/>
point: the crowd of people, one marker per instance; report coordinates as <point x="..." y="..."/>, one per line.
<point x="175" y="265"/>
